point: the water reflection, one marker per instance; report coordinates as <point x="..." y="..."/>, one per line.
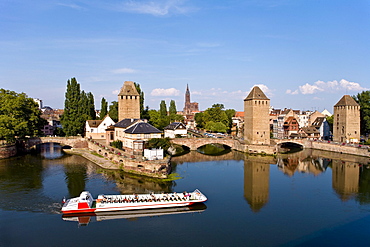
<point x="85" y="219"/>
<point x="346" y="177"/>
<point x="128" y="183"/>
<point x="256" y="183"/>
<point x="50" y="150"/>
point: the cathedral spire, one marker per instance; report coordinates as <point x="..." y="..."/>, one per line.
<point x="187" y="95"/>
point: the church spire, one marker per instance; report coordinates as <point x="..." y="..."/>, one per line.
<point x="187" y="95"/>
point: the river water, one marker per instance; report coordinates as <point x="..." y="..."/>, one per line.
<point x="310" y="198"/>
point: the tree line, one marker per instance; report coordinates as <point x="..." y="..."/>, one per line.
<point x="20" y="115"/>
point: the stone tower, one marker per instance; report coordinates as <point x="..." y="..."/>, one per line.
<point x="346" y="127"/>
<point x="257" y="117"/>
<point x="128" y="102"/>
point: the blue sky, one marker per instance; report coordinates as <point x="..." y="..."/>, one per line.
<point x="305" y="54"/>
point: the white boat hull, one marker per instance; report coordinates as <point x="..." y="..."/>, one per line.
<point x="106" y="203"/>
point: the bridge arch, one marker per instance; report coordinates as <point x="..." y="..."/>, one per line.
<point x="72" y="142"/>
<point x="289" y="144"/>
<point x="195" y="143"/>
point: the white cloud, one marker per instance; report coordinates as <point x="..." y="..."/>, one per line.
<point x="330" y="86"/>
<point x="115" y="92"/>
<point x="292" y="92"/>
<point x="156" y="8"/>
<point x="165" y="92"/>
<point x="124" y="71"/>
<point x="309" y="89"/>
<point x="352" y="86"/>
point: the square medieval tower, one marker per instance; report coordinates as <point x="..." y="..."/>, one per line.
<point x="346" y="127"/>
<point x="257" y="117"/>
<point x="128" y="102"/>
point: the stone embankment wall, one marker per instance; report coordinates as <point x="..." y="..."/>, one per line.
<point x="130" y="163"/>
<point x="340" y="148"/>
<point x="260" y="149"/>
<point x="7" y="151"/>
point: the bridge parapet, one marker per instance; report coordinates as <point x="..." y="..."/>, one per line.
<point x="195" y="143"/>
<point x="74" y="142"/>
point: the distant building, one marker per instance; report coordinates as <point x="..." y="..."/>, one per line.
<point x="174" y="129"/>
<point x="311" y="133"/>
<point x="326" y="113"/>
<point x="323" y="127"/>
<point x="346" y="127"/>
<point x="189" y="107"/>
<point x="96" y="129"/>
<point x="313" y="117"/>
<point x="257" y="117"/>
<point x="291" y="127"/>
<point x="128" y="102"/>
<point x="237" y="128"/>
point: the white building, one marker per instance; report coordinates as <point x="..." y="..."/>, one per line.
<point x="174" y="129"/>
<point x="96" y="129"/>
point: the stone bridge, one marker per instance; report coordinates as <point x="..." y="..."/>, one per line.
<point x="195" y="143"/>
<point x="73" y="142"/>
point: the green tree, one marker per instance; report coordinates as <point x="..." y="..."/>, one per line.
<point x="363" y="99"/>
<point x="157" y="120"/>
<point x="173" y="116"/>
<point x="216" y="127"/>
<point x="91" y="106"/>
<point x="163" y="109"/>
<point x="172" y="109"/>
<point x="72" y="120"/>
<point x="230" y="113"/>
<point x="76" y="109"/>
<point x="84" y="102"/>
<point x="199" y="119"/>
<point x="104" y="108"/>
<point x="113" y="111"/>
<point x="163" y="143"/>
<point x="216" y="114"/>
<point x="19" y="116"/>
<point x="330" y="121"/>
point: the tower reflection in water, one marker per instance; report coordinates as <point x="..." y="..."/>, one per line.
<point x="256" y="184"/>
<point x="346" y="178"/>
<point x="349" y="176"/>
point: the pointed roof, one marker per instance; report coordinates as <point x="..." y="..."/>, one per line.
<point x="346" y="100"/>
<point x="256" y="93"/>
<point x="128" y="88"/>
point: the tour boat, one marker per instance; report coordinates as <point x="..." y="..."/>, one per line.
<point x="84" y="219"/>
<point x="105" y="203"/>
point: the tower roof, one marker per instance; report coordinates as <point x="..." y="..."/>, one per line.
<point x="346" y="100"/>
<point x="128" y="88"/>
<point x="256" y="93"/>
